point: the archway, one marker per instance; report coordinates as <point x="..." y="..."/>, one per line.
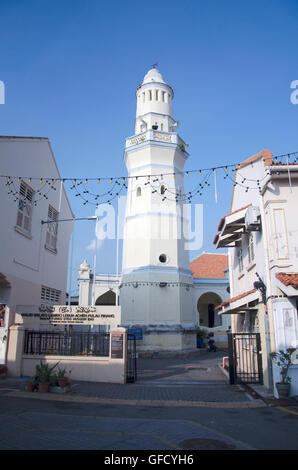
<point x="108" y="298"/>
<point x="206" y="308"/>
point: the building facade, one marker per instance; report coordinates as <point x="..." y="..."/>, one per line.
<point x="210" y="284"/>
<point x="261" y="234"/>
<point x="156" y="288"/>
<point x="34" y="255"/>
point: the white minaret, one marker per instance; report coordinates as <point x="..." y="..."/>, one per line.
<point x="156" y="290"/>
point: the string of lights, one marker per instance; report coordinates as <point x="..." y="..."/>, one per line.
<point x="157" y="183"/>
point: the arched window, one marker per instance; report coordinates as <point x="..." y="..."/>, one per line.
<point x="150" y="95"/>
<point x="162" y="189"/>
<point x="139" y="191"/>
<point x="156" y="95"/>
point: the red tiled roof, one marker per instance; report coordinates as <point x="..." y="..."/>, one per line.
<point x="215" y="239"/>
<point x="288" y="279"/>
<point x="283" y="164"/>
<point x="210" y="265"/>
<point x="237" y="297"/>
<point x="266" y="155"/>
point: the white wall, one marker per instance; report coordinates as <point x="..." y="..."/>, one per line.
<point x="25" y="261"/>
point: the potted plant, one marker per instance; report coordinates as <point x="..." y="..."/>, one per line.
<point x="201" y="335"/>
<point x="43" y="376"/>
<point x="62" y="378"/>
<point x="31" y="384"/>
<point x="283" y="359"/>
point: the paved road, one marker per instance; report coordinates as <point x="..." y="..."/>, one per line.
<point x="177" y="404"/>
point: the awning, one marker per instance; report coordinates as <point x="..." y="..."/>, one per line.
<point x="231" y="228"/>
<point x="239" y="303"/>
<point x="288" y="283"/>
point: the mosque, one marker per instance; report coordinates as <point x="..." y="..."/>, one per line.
<point x="164" y="298"/>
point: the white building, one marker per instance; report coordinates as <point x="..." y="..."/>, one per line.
<point x="210" y="283"/>
<point x="261" y="233"/>
<point x="33" y="256"/>
<point x="156" y="288"/>
<point x="158" y="295"/>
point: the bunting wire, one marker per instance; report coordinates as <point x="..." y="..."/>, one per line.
<point x="168" y="193"/>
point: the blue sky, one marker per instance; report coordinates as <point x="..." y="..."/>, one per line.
<point x="71" y="69"/>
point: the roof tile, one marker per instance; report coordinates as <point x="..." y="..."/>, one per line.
<point x="209" y="265"/>
<point x="288" y="279"/>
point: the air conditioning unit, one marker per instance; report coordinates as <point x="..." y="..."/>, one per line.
<point x="252" y="219"/>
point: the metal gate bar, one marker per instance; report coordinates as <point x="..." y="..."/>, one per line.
<point x="131" y="364"/>
<point x="245" y="365"/>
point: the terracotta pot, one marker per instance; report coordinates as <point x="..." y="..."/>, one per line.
<point x="30" y="387"/>
<point x="43" y="387"/>
<point x="63" y="382"/>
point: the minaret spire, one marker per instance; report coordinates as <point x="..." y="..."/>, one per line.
<point x="154" y="103"/>
<point x="156" y="290"/>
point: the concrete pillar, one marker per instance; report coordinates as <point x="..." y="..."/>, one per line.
<point x="15" y="350"/>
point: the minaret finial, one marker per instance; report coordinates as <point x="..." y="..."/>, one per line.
<point x="155" y="65"/>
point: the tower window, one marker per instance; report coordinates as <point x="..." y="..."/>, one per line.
<point x="163" y="95"/>
<point x="163" y="258"/>
<point x="150" y="95"/>
<point x="161" y="127"/>
<point x="139" y="191"/>
<point x="162" y="189"/>
<point x="143" y="97"/>
<point x="156" y="95"/>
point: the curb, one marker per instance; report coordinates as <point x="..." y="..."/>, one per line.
<point x="116" y="401"/>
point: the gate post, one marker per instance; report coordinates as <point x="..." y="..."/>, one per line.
<point x="15" y="350"/>
<point x="259" y="358"/>
<point x="118" y="350"/>
<point x="231" y="358"/>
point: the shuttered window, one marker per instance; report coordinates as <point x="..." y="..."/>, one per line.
<point x="24" y="215"/>
<point x="52" y="229"/>
<point x="50" y="295"/>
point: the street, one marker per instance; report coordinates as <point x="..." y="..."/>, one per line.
<point x="177" y="404"/>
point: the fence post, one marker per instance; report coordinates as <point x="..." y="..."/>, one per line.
<point x="231" y="359"/>
<point x="15" y="350"/>
<point x="118" y="349"/>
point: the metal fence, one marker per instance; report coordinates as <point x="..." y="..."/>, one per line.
<point x="131" y="364"/>
<point x="67" y="344"/>
<point x="245" y="365"/>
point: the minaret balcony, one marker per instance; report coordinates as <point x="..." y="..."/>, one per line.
<point x="156" y="136"/>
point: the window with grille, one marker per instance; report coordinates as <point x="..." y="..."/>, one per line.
<point x="50" y="295"/>
<point x="24" y="215"/>
<point x="52" y="229"/>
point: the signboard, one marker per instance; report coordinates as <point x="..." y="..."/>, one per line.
<point x="80" y="315"/>
<point x="138" y="332"/>
<point x="116" y="345"/>
<point x="74" y="314"/>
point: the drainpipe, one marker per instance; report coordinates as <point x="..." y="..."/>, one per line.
<point x="259" y="285"/>
<point x="268" y="316"/>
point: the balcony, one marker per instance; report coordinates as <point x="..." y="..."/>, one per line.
<point x="156" y="136"/>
